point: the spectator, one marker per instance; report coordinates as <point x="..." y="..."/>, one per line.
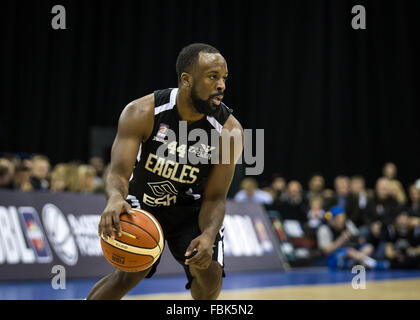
<point x="86" y="177"/>
<point x="414" y="200"/>
<point x="386" y="206"/>
<point x="359" y="205"/>
<point x="72" y="176"/>
<point x="40" y="172"/>
<point x="342" y="191"/>
<point x="414" y="204"/>
<point x="403" y="243"/>
<point x="98" y="164"/>
<point x="277" y="186"/>
<point x="374" y="235"/>
<point x="316" y="186"/>
<point x="339" y="242"/>
<point x="7" y="171"/>
<point x="316" y="213"/>
<point x="398" y="192"/>
<point x="293" y="206"/>
<point x="389" y="170"/>
<point x="59" y="178"/>
<point x="251" y="193"/>
<point x="22" y="178"/>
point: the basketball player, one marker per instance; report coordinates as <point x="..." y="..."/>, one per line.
<point x="187" y="199"/>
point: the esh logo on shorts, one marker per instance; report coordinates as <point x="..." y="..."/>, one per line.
<point x="164" y="194"/>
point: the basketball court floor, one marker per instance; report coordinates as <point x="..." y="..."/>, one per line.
<point x="295" y="284"/>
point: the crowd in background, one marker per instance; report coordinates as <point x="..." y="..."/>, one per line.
<point x="35" y="172"/>
<point x="351" y="224"/>
<point x="379" y="228"/>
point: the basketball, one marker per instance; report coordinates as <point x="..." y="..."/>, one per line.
<point x="140" y="244"/>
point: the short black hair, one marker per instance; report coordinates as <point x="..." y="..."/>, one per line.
<point x="189" y="55"/>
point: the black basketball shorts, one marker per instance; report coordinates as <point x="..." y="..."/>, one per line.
<point x="180" y="227"/>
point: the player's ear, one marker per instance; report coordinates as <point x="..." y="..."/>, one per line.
<point x="186" y="80"/>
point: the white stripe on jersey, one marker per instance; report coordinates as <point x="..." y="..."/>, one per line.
<point x="215" y="123"/>
<point x="170" y="104"/>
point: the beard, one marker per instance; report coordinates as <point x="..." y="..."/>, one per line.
<point x="202" y="106"/>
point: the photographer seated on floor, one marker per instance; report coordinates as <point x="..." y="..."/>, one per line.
<point x="403" y="243"/>
<point x="339" y="241"/>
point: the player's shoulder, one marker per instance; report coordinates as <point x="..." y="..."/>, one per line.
<point x="140" y="107"/>
<point x="137" y="118"/>
<point x="233" y="126"/>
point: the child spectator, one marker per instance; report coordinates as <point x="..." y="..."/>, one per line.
<point x="316" y="213"/>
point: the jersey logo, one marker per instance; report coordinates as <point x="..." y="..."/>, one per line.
<point x="164" y="194"/>
<point x="202" y="151"/>
<point x="161" y="188"/>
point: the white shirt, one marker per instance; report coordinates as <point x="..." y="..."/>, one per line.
<point x="259" y="196"/>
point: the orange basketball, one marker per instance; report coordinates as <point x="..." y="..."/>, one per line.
<point x="140" y="244"/>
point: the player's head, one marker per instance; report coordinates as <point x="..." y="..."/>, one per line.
<point x="202" y="71"/>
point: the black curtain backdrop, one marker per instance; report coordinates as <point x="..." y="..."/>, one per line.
<point x="330" y="98"/>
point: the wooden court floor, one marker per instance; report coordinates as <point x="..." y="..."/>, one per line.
<point x="395" y="289"/>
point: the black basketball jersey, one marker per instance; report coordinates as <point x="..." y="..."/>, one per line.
<point x="166" y="174"/>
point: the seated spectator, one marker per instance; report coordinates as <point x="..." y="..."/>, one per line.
<point x="338" y="240"/>
<point x="398" y="192"/>
<point x="403" y="243"/>
<point x="359" y="205"/>
<point x="342" y="191"/>
<point x="389" y="170"/>
<point x="86" y="177"/>
<point x="386" y="206"/>
<point x="59" y="178"/>
<point x="315" y="213"/>
<point x="250" y="193"/>
<point x="98" y="164"/>
<point x="40" y="172"/>
<point x="7" y="171"/>
<point x="414" y="201"/>
<point x="72" y="176"/>
<point x="22" y="178"/>
<point x="374" y="235"/>
<point x="316" y="186"/>
<point x="277" y="187"/>
<point x="293" y="205"/>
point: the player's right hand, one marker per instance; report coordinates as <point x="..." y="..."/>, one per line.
<point x="110" y="218"/>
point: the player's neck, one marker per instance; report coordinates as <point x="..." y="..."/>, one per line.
<point x="186" y="109"/>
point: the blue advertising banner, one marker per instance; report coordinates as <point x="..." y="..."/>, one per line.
<point x="40" y="230"/>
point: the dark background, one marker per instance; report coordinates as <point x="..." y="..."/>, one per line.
<point x="330" y="98"/>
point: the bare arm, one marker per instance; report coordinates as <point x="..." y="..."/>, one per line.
<point x="134" y="126"/>
<point x="337" y="243"/>
<point x="213" y="207"/>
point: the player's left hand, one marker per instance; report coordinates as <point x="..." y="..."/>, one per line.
<point x="203" y="244"/>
